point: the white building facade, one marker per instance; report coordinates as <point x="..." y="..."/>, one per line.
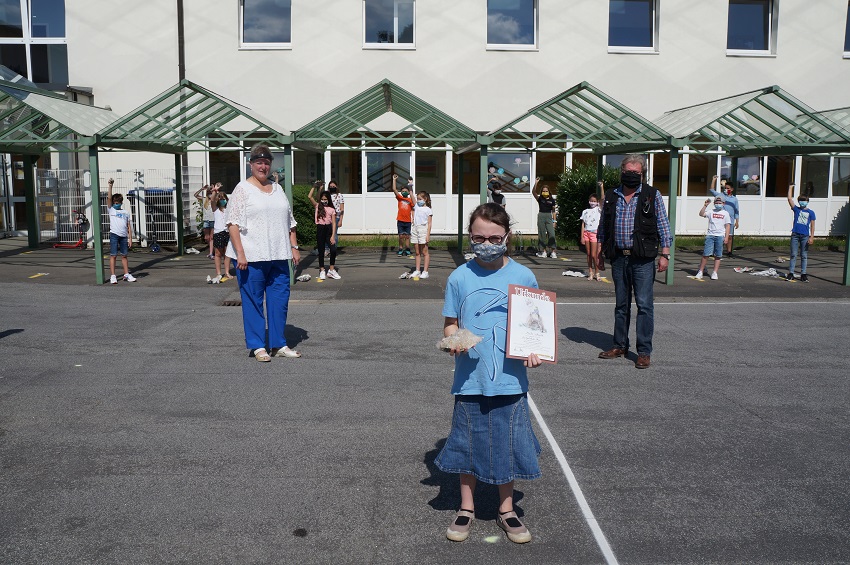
<point x="483" y="62"/>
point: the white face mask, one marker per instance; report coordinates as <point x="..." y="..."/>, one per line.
<point x="594" y="204"/>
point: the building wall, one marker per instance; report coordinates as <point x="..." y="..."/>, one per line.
<point x="127" y="52"/>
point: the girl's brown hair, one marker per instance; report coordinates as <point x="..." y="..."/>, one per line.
<point x="320" y="210"/>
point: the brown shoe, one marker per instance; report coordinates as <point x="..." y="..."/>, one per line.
<point x="642" y="362"/>
<point x="613" y="353"/>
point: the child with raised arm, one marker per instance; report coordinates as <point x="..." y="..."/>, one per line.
<point x="717" y="235"/>
<point x="731" y="205"/>
<point x="120" y="234"/>
<point x="325" y="218"/>
<point x="491" y="437"/>
<point x="404" y="216"/>
<point x="802" y="234"/>
<point x="221" y="237"/>
<point x="590" y="218"/>
<point x="206" y="200"/>
<point x="420" y="233"/>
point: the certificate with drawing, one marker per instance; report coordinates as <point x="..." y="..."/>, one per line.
<point x="532" y="324"/>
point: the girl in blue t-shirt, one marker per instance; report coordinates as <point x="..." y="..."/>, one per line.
<point x="491" y="438"/>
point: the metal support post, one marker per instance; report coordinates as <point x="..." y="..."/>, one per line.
<point x="482" y="188"/>
<point x="460" y="203"/>
<point x="33" y="229"/>
<point x="287" y="187"/>
<point x="674" y="197"/>
<point x="178" y="189"/>
<point x="97" y="236"/>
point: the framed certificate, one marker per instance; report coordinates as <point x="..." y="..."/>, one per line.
<point x="532" y="326"/>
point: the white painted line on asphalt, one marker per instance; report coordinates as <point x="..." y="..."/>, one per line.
<point x="607" y="552"/>
<point x="727" y="303"/>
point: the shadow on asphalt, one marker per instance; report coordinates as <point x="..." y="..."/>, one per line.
<point x="7" y="333"/>
<point x="600" y="340"/>
<point x="486" y="495"/>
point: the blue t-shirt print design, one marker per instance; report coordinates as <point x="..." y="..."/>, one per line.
<point x="487" y="310"/>
<point x="802" y="218"/>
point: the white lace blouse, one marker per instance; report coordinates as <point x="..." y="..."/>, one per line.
<point x="264" y="222"/>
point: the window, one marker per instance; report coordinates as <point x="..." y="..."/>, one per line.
<point x="632" y="26"/>
<point x="512" y="171"/>
<point x="752" y="27"/>
<point x="814" y="177"/>
<point x="511" y="24"/>
<point x="380" y="168"/>
<point x="32" y="41"/>
<point x="388" y="23"/>
<point x="265" y="24"/>
<point x="841" y="176"/>
<point x="847" y="33"/>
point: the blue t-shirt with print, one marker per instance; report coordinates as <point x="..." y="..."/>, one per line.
<point x="802" y="217"/>
<point x="478" y="298"/>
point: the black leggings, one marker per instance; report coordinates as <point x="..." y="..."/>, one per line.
<point x="323" y="237"/>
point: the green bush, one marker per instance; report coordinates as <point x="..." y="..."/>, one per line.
<point x="304" y="215"/>
<point x="574" y="188"/>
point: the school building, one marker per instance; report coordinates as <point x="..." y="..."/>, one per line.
<point x="470" y="66"/>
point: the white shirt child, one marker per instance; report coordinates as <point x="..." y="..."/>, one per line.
<point x="717" y="221"/>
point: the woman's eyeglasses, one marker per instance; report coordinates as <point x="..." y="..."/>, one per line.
<point x="494" y="239"/>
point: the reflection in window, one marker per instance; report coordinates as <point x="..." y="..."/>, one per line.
<point x="266" y="21"/>
<point x="11" y="24"/>
<point x="471" y="173"/>
<point x="749" y="175"/>
<point x="841" y="176"/>
<point x="661" y="173"/>
<point x="50" y="64"/>
<point x="630" y="23"/>
<point x="380" y="168"/>
<point x="814" y="176"/>
<point x="48" y="18"/>
<point x="510" y="171"/>
<point x="388" y="21"/>
<point x="511" y="22"/>
<point x="749" y="25"/>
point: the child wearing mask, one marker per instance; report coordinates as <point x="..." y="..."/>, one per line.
<point x="590" y="218"/>
<point x="731" y="205"/>
<point x="717" y="235"/>
<point x="325" y="218"/>
<point x="491" y="438"/>
<point x="404" y="216"/>
<point x="220" y="238"/>
<point x="421" y="232"/>
<point x="802" y="234"/>
<point x="120" y="234"/>
<point x="545" y="220"/>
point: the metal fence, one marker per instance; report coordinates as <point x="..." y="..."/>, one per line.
<point x="149" y="193"/>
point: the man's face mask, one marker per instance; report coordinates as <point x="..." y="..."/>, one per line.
<point x="630" y="179"/>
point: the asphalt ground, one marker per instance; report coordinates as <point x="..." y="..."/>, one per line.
<point x="135" y="429"/>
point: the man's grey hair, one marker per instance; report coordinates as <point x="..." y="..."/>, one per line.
<point x="634" y="158"/>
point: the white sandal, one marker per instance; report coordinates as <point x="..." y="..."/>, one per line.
<point x="286" y="352"/>
<point x="261" y="355"/>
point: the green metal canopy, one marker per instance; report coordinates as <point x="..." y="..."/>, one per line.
<point x="346" y="126"/>
<point x="188" y="117"/>
<point x="768" y="121"/>
<point x="34" y="121"/>
<point x="584" y="116"/>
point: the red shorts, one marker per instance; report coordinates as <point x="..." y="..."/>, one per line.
<point x="590" y="237"/>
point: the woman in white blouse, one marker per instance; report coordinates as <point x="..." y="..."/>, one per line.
<point x="262" y="242"/>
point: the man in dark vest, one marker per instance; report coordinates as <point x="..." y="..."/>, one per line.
<point x="634" y="231"/>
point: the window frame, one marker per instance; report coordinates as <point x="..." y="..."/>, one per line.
<point x="395" y="45"/>
<point x="251" y="46"/>
<point x="28" y="40"/>
<point x="653" y="49"/>
<point x="847" y="33"/>
<point x="535" y="46"/>
<point x="773" y="28"/>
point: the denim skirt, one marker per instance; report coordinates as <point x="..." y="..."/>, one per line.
<point x="492" y="439"/>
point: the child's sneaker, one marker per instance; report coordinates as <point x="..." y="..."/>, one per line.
<point x="129" y="278"/>
<point x="541" y="254"/>
<point x="321" y="276"/>
<point x="424" y="275"/>
<point x="414" y="274"/>
<point x="216" y="280"/>
<point x="333" y="274"/>
<point x="804" y="277"/>
<point x="407" y="252"/>
<point x="113" y="280"/>
<point x="209" y="279"/>
<point x="400" y="252"/>
<point x="553" y="255"/>
<point x="714" y="275"/>
<point x="698" y="276"/>
<point x="789" y="277"/>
